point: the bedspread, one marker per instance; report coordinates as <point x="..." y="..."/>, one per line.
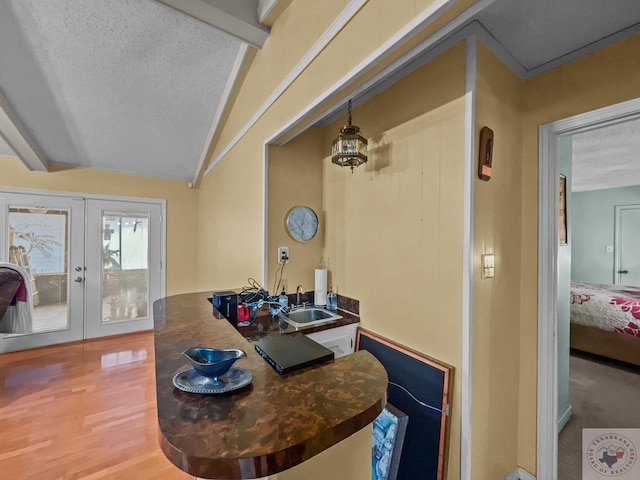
<point x="614" y="308"/>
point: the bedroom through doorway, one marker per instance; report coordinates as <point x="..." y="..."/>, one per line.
<point x="590" y="151"/>
<point x="601" y="262"/>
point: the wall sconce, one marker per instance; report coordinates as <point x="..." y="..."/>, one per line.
<point x="350" y="148"/>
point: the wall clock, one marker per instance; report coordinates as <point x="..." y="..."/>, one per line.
<point x="301" y="223"/>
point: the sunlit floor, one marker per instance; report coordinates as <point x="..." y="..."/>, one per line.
<point x="49" y="317"/>
<point x="54" y="317"/>
<point x="84" y="411"/>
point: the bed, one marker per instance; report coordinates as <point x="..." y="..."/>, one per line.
<point x="605" y="320"/>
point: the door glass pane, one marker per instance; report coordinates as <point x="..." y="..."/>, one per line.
<point x="38" y="241"/>
<point x="125" y="266"/>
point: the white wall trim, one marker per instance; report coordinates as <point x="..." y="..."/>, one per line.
<point x="342" y="19"/>
<point x="265" y="217"/>
<point x="20" y="140"/>
<point x="519" y="474"/>
<point x="512" y="475"/>
<point x="547" y="453"/>
<point x="163" y="251"/>
<point x="432" y="46"/>
<point x="502" y="53"/>
<point x="91" y="196"/>
<point x="524" y="475"/>
<point x="617" y="238"/>
<point x="467" y="257"/>
<point x="581" y="52"/>
<point x="563" y="418"/>
<point x="264" y="8"/>
<point x="222" y="105"/>
<point x="419" y="55"/>
<point x="419" y="22"/>
<point x="238" y="18"/>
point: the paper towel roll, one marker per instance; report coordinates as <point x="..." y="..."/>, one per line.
<point x="320" y="289"/>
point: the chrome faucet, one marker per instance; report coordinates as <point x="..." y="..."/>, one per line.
<point x="299" y="290"/>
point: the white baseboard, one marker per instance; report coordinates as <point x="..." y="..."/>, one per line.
<point x="519" y="474"/>
<point x="564" y="418"/>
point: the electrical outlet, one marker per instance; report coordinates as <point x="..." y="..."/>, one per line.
<point x="283" y="254"/>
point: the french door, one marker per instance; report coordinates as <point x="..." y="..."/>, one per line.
<point x="45" y="236"/>
<point x="94" y="264"/>
<point x="123" y="274"/>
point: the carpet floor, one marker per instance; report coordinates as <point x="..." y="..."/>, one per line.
<point x="602" y="394"/>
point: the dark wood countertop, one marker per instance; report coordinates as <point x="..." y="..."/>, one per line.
<point x="269" y="426"/>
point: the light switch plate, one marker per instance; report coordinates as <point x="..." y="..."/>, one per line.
<point x="488" y="265"/>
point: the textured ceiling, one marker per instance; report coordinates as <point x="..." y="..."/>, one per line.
<point x="538" y="32"/>
<point x="136" y="86"/>
<point x="128" y="85"/>
<point x="607" y="157"/>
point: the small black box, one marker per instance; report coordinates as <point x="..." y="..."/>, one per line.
<point x="227" y="304"/>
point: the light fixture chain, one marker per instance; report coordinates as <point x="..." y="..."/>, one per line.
<point x="349" y="112"/>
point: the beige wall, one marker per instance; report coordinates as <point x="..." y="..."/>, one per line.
<point x="409" y="198"/>
<point x="181" y="206"/>
<point x="232" y="195"/>
<point x="606" y="77"/>
<point x="424" y="135"/>
<point x="394" y="226"/>
<point x="496" y="308"/>
<point x="342" y="461"/>
<point x="295" y="178"/>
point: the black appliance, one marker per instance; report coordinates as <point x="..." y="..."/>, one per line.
<point x="226" y="303"/>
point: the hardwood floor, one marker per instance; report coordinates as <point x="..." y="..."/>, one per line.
<point x="84" y="410"/>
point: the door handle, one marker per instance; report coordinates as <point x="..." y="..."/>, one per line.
<point x="78" y="279"/>
<point x="623" y="271"/>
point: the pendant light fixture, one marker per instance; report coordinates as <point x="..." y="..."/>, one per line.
<point x="350" y="148"/>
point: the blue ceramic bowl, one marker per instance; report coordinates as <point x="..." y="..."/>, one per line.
<point x="213" y="362"/>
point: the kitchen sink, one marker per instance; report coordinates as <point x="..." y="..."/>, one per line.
<point x="310" y="316"/>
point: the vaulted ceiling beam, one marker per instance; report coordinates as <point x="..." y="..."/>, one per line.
<point x="238" y="18"/>
<point x="19" y="139"/>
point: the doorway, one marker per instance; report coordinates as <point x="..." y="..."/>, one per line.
<point x="547" y="443"/>
<point x="94" y="265"/>
<point x="627" y="232"/>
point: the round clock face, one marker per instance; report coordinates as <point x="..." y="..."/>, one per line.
<point x="301" y="223"/>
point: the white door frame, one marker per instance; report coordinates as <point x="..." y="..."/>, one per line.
<point x="112" y="198"/>
<point x="95" y="326"/>
<point x="74" y="257"/>
<point x="617" y="242"/>
<point x="547" y="452"/>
